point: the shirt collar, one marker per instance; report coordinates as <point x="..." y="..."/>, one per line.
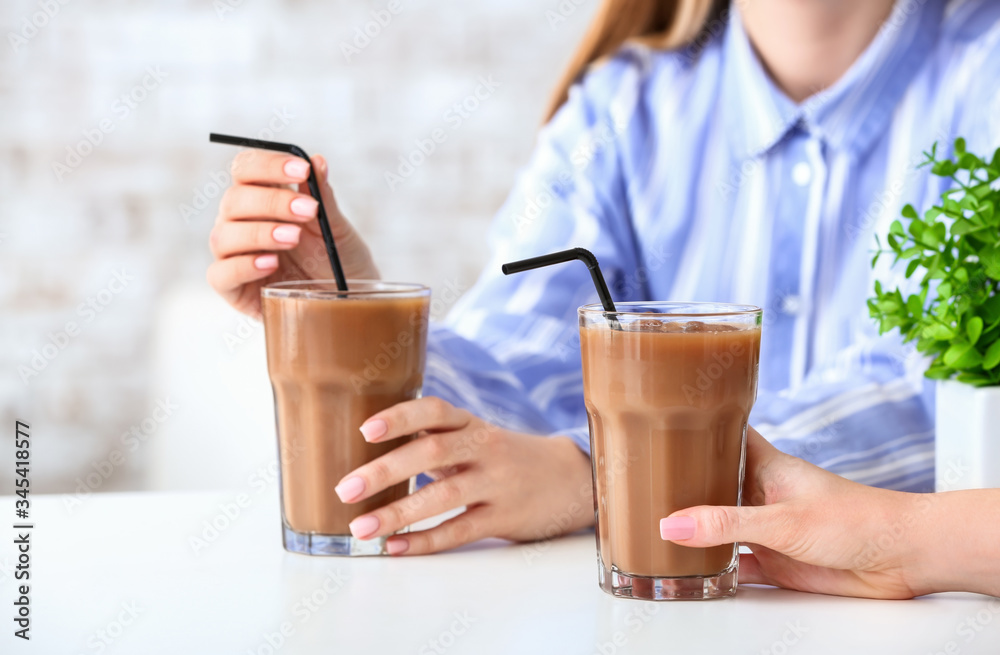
<point x="848" y="115"/>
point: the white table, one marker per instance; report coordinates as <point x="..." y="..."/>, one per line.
<point x="119" y="555"/>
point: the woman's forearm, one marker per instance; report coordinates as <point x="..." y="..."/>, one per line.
<point x="956" y="543"/>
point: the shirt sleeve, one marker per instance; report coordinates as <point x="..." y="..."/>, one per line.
<point x="509" y="351"/>
<point x="868" y="417"/>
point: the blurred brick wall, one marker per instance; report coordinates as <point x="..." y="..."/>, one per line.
<point x="108" y="183"/>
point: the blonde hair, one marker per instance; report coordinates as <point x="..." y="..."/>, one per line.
<point x="661" y="24"/>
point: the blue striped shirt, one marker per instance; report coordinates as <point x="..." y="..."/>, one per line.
<point x="691" y="176"/>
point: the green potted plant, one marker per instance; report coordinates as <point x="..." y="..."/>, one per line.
<point x="954" y="313"/>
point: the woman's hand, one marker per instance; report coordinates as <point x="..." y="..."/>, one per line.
<point x="515" y="486"/>
<point x="266" y="232"/>
<point x="812" y="530"/>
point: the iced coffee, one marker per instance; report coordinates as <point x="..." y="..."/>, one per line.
<point x="668" y="389"/>
<point x="336" y="358"/>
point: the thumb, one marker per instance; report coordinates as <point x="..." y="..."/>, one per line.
<point x="706" y="526"/>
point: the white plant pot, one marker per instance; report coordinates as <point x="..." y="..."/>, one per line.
<point x="967" y="437"/>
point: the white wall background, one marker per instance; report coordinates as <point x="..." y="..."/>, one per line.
<point x="119" y="205"/>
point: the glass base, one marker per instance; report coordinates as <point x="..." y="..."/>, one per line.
<point x="336" y="545"/>
<point x="696" y="587"/>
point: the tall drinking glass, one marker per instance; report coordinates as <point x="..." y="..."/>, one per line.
<point x="334" y="359"/>
<point x="668" y="388"/>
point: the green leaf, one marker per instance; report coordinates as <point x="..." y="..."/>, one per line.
<point x="990" y="259"/>
<point x="897" y="228"/>
<point x="931" y="346"/>
<point x="959" y="146"/>
<point x="973" y="329"/>
<point x="944" y="290"/>
<point x="930" y="237"/>
<point x="975" y="379"/>
<point x="939" y="332"/>
<point x="944" y="168"/>
<point x="969" y="161"/>
<point x="991" y="309"/>
<point x="909" y="212"/>
<point x="980" y="191"/>
<point x="933" y="266"/>
<point x="911" y="267"/>
<point x="962" y="226"/>
<point x="970" y="359"/>
<point x="987" y="212"/>
<point x="947" y="258"/>
<point x="952" y="208"/>
<point x="938" y="372"/>
<point x="889" y="305"/>
<point x="915" y="306"/>
<point x="992" y="357"/>
<point x="956" y="352"/>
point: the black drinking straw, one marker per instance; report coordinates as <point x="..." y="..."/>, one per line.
<point x="324" y="226"/>
<point x="563" y="256"/>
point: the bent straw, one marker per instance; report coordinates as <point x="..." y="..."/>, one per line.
<point x="324" y="226"/>
<point x="563" y="256"/>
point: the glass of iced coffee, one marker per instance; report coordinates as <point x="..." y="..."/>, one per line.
<point x="334" y="359"/>
<point x="668" y="389"/>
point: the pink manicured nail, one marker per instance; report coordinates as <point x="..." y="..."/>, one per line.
<point x="397" y="546"/>
<point x="305" y="207"/>
<point x="677" y="528"/>
<point x="296" y="168"/>
<point x="265" y="262"/>
<point x="286" y="233"/>
<point x="350" y="488"/>
<point x="372" y="430"/>
<point x="364" y="526"/>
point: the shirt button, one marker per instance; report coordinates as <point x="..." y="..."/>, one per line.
<point x="801" y="173"/>
<point x="791" y="305"/>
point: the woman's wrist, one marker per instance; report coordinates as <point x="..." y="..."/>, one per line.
<point x="954" y="545"/>
<point x="575" y="473"/>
